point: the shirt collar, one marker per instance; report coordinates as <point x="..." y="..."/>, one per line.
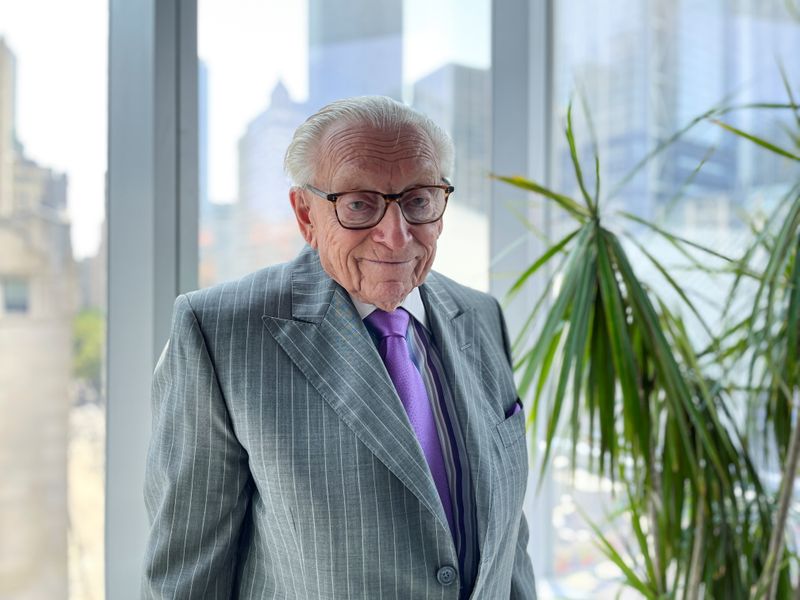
<point x="412" y="303"/>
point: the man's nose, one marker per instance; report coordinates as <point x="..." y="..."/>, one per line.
<point x="393" y="230"/>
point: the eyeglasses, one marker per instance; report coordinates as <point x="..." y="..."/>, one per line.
<point x="363" y="209"/>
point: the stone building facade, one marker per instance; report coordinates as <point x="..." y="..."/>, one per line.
<point x="38" y="298"/>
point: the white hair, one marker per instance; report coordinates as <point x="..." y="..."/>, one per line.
<point x="380" y="112"/>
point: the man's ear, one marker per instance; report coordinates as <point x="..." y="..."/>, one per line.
<point x="302" y="212"/>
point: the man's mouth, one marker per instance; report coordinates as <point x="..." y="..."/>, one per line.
<point x="387" y="262"/>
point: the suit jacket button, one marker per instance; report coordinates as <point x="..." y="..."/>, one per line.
<point x="446" y="575"/>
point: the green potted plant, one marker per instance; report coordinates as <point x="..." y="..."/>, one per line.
<point x="610" y="361"/>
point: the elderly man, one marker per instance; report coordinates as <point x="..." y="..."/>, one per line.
<point x="344" y="425"/>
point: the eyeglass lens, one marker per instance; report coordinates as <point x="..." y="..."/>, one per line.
<point x="364" y="209"/>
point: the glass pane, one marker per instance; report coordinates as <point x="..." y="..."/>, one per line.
<point x="16" y="295"/>
<point x="52" y="298"/>
<point x="645" y="70"/>
<point x="264" y="68"/>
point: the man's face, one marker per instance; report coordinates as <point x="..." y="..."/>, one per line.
<point x="380" y="265"/>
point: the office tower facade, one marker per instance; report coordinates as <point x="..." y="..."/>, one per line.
<point x="771" y="43"/>
<point x="458" y="98"/>
<point x="646" y="69"/>
<point x="355" y="49"/>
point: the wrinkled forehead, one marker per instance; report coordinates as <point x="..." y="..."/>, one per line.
<point x="353" y="151"/>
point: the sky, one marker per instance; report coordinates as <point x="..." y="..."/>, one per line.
<point x="61" y="50"/>
<point x="247" y="45"/>
<point x="238" y="39"/>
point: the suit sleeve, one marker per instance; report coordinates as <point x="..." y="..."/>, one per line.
<point x="197" y="482"/>
<point x="523" y="584"/>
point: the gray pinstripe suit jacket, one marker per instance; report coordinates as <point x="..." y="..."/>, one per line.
<point x="282" y="463"/>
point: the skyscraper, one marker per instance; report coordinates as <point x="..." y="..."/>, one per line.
<point x="645" y="69"/>
<point x="355" y="48"/>
<point x="458" y="98"/>
<point x="771" y="42"/>
<point x="259" y="228"/>
<point x="263" y="187"/>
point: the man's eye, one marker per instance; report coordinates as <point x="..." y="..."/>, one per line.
<point x="357" y="206"/>
<point x="418" y="202"/>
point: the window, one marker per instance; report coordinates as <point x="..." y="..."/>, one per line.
<point x="52" y="273"/>
<point x="264" y="68"/>
<point x="16" y="295"/>
<point x="645" y="69"/>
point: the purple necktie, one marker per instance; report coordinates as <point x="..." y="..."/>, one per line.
<point x="392" y="327"/>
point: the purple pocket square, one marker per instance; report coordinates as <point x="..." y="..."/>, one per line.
<point x="514" y="409"/>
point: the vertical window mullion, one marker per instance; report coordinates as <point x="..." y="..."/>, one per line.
<point x="522" y="56"/>
<point x="152" y="256"/>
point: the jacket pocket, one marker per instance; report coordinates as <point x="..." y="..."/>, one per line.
<point x="512" y="430"/>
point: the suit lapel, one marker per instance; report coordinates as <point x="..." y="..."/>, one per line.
<point x="454" y="330"/>
<point x="328" y="342"/>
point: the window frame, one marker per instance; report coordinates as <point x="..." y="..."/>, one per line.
<point x="522" y="64"/>
<point x="153" y="223"/>
<point x="152" y="216"/>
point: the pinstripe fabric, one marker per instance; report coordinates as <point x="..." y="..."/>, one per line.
<point x="282" y="464"/>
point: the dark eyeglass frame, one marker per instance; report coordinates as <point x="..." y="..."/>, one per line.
<point x="387" y="198"/>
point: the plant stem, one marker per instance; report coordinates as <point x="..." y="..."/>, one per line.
<point x="771" y="574"/>
<point x="695" y="569"/>
<point x="654" y="509"/>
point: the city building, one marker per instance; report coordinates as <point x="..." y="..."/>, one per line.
<point x="640" y="87"/>
<point x="38" y="297"/>
<point x="258" y="228"/>
<point x="7" y="120"/>
<point x="458" y="98"/>
<point x="658" y="66"/>
<point x="92" y="275"/>
<point x="355" y="49"/>
<point x="263" y="186"/>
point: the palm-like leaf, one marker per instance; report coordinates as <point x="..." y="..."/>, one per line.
<point x="617" y="367"/>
